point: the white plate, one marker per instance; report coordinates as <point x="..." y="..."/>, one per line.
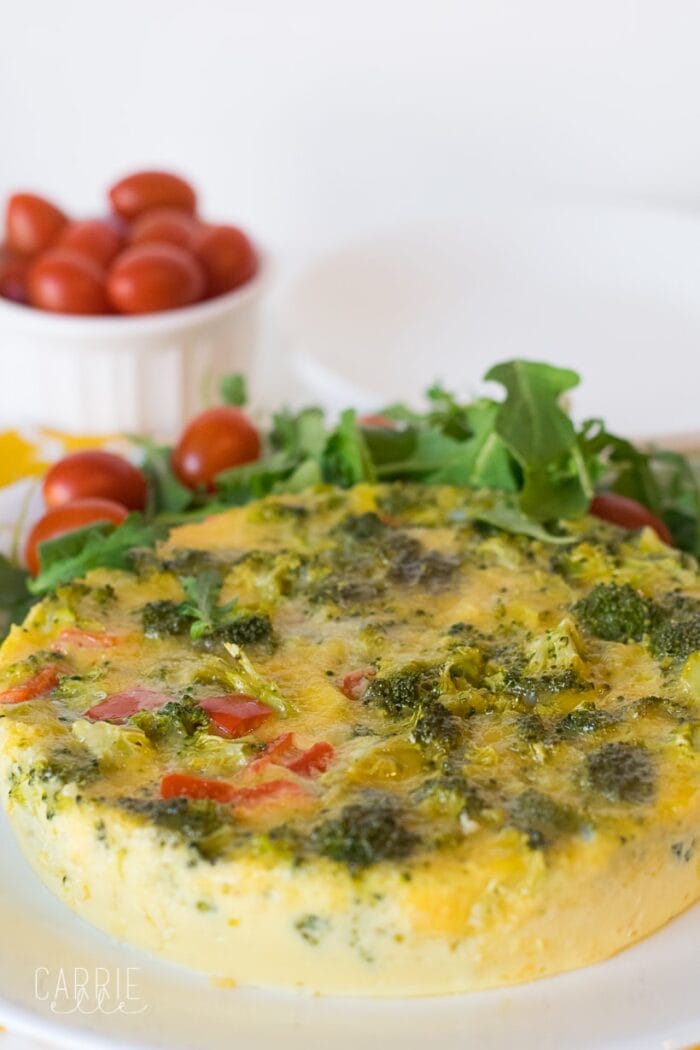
<point x="644" y="999"/>
<point x="611" y="291"/>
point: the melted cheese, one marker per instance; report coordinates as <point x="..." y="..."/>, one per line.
<point x="509" y="861"/>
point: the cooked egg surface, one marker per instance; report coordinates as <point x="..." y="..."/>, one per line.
<point x="359" y="742"/>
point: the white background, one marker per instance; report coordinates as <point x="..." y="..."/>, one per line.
<point x="313" y="121"/>
<point x="324" y="125"/>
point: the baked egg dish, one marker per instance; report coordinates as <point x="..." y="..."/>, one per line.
<point x="362" y="742"/>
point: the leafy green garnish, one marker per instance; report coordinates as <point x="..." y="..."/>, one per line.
<point x="166" y="495"/>
<point x="101" y="545"/>
<point x="542" y="439"/>
<point x="533" y="467"/>
<point x="202" y="605"/>
<point x="15" y="600"/>
<point x="233" y="390"/>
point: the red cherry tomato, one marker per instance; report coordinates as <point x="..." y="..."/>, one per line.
<point x="59" y="520"/>
<point x="375" y="421"/>
<point x="95" y="473"/>
<point x="214" y="441"/>
<point x="143" y="190"/>
<point x="32" y="223"/>
<point x="13" y="276"/>
<point x="228" y="257"/>
<point x="628" y="513"/>
<point x="152" y="277"/>
<point x="164" y="224"/>
<point x="98" y="239"/>
<point x="66" y="282"/>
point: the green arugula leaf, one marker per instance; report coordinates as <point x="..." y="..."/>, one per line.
<point x="100" y="545"/>
<point x="233" y="390"/>
<point x="166" y="495"/>
<point x="15" y="599"/>
<point x="240" y="485"/>
<point x="346" y="457"/>
<point x="299" y="434"/>
<point x="542" y="439"/>
<point x="508" y="516"/>
<point x="202" y="607"/>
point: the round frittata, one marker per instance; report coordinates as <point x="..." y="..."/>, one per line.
<point x="364" y="742"/>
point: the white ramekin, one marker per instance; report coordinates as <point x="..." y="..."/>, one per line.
<point x="106" y="375"/>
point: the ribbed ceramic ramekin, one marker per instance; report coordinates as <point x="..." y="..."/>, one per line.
<point x="103" y="375"/>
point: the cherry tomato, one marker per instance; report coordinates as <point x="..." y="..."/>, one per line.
<point x="228" y="257"/>
<point x="144" y="190"/>
<point x="32" y="223"/>
<point x="375" y="421"/>
<point x="214" y="441"/>
<point x="628" y="513"/>
<point x="152" y="277"/>
<point x="59" y="520"/>
<point x="13" y="276"/>
<point x="164" y="224"/>
<point x="95" y="473"/>
<point x="66" y="282"/>
<point x="98" y="239"/>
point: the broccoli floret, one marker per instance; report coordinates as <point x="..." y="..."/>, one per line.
<point x="364" y="833"/>
<point x="366" y="526"/>
<point x="531" y="728"/>
<point x="437" y="728"/>
<point x="404" y="690"/>
<point x="585" y="719"/>
<point x="449" y="795"/>
<point x="410" y="563"/>
<point x="164" y="618"/>
<point x="181" y="717"/>
<point x="661" y="706"/>
<point x="622" y="772"/>
<point x="69" y="766"/>
<point x="675" y="631"/>
<point x="529" y="687"/>
<point x="246" y="629"/>
<point x="349" y="594"/>
<point x="614" y="612"/>
<point x="551" y="663"/>
<point x="677" y="640"/>
<point x="188" y="561"/>
<point x="203" y="825"/>
<point x="541" y="818"/>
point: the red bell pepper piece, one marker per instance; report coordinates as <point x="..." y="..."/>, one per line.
<point x="235" y="715"/>
<point x="38" y="685"/>
<point x="119" y="706"/>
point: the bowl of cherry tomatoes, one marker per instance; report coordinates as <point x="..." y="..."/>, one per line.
<point x="125" y="321"/>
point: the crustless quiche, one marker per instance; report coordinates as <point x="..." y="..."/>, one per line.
<point x="358" y="742"/>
